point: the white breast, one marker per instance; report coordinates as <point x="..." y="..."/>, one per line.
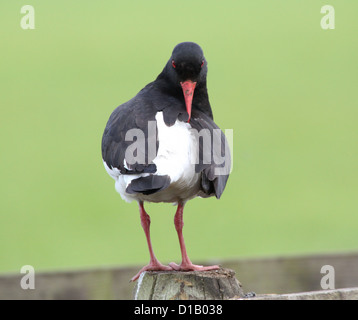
<point x="176" y="157"/>
<point x="177" y="152"/>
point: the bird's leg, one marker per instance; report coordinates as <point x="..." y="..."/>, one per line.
<point x="154" y="264"/>
<point x="186" y="264"/>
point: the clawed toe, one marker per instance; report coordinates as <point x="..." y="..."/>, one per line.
<point x="151" y="267"/>
<point x="191" y="267"/>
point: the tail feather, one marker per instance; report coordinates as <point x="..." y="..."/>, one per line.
<point x="148" y="185"/>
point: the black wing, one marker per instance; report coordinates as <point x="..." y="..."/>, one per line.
<point x="214" y="155"/>
<point x="132" y="115"/>
<point x="139" y="114"/>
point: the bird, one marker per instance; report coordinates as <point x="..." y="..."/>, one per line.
<point x="164" y="146"/>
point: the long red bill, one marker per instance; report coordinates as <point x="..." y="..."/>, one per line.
<point x="188" y="90"/>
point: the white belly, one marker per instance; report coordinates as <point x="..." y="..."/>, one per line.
<point x="176" y="157"/>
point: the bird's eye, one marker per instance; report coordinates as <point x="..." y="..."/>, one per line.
<point x="202" y="63"/>
<point x="173" y="64"/>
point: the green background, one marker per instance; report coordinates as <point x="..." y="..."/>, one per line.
<point x="285" y="86"/>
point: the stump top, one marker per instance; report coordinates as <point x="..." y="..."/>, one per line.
<point x="182" y="285"/>
<point x="220" y="273"/>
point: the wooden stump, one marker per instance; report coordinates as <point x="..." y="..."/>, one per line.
<point x="191" y="285"/>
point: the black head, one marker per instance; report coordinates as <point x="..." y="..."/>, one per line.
<point x="184" y="73"/>
<point x="188" y="62"/>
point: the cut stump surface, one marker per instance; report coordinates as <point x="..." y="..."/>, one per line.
<point x="190" y="285"/>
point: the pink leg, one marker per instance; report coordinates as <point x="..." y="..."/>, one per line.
<point x="186" y="264"/>
<point x="154" y="264"/>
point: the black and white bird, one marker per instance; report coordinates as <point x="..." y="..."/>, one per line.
<point x="163" y="145"/>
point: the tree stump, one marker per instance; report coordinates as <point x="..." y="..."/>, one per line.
<point x="188" y="285"/>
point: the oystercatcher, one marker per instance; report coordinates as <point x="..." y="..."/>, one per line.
<point x="163" y="145"/>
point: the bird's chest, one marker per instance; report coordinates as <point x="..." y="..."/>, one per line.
<point x="177" y="152"/>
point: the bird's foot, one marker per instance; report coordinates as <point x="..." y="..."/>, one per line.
<point x="188" y="266"/>
<point x="152" y="266"/>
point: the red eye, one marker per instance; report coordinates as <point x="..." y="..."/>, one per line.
<point x="173" y="64"/>
<point x="202" y="64"/>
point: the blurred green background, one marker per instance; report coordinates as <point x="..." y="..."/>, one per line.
<point x="287" y="87"/>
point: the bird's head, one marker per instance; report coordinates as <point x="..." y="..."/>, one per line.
<point x="187" y="68"/>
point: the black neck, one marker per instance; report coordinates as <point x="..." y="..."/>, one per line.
<point x="200" y="100"/>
